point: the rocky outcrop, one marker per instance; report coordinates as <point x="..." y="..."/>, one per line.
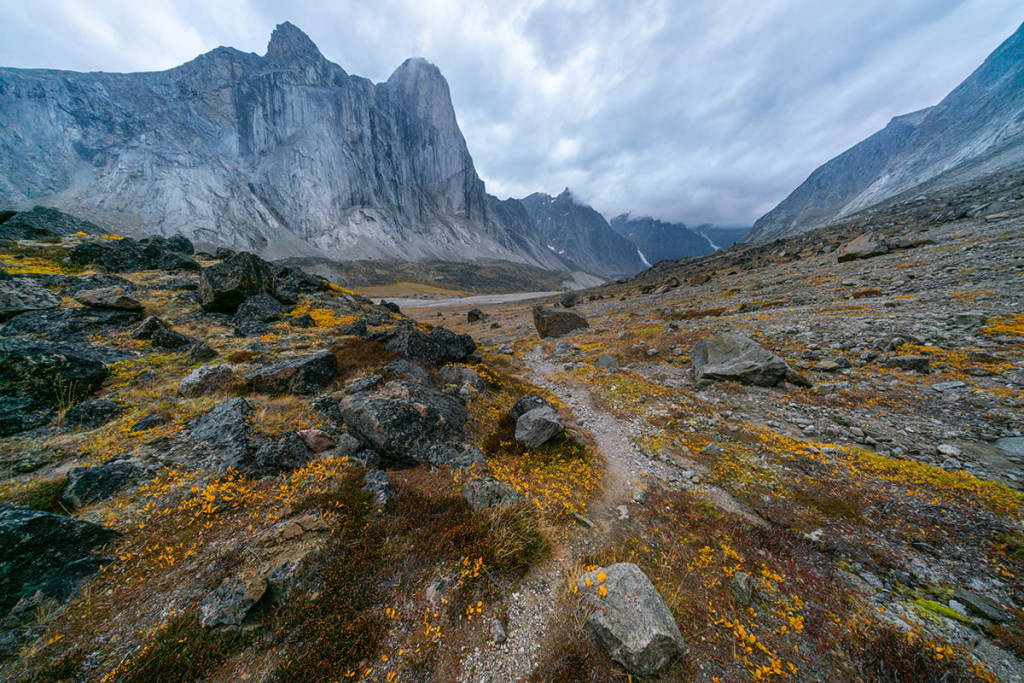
<point x="113" y="298"/>
<point x="128" y="255"/>
<point x="205" y="380"/>
<point x="224" y="286"/>
<point x="579" y="233"/>
<point x="92" y="484"/>
<point x="285" y="154"/>
<point x="41" y="221"/>
<point x="630" y="618"/>
<point x="297" y="375"/>
<point x="438" y="347"/>
<point x="20" y="294"/>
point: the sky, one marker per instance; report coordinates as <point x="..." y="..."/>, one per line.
<point x="685" y="110"/>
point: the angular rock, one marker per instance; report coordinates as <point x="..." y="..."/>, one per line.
<point x="406" y="369"/>
<point x="982" y="606"/>
<point x="912" y="363"/>
<point x="129" y="256"/>
<point x="18" y="414"/>
<point x="92" y="414"/>
<point x="552" y="322"/>
<point x="475" y="315"/>
<point x="735" y="357"/>
<point x="631" y="620"/>
<point x="171" y="340"/>
<point x="62" y="324"/>
<point x="92" y="484"/>
<point x="460" y="375"/>
<point x="149" y="422"/>
<point x="297" y="375"/>
<point x="205" y="380"/>
<point x="50" y="374"/>
<point x="231" y="601"/>
<point x="20" y="294"/>
<point x="606" y="362"/>
<point x="271" y="456"/>
<point x="148" y="327"/>
<point x="526" y="404"/>
<point x="39" y="550"/>
<point x="403" y="420"/>
<point x="200" y="352"/>
<point x="113" y="298"/>
<point x="41" y="221"/>
<point x="261" y="308"/>
<point x="225" y="430"/>
<point x="864" y="246"/>
<point x="224" y="286"/>
<point x="378" y="485"/>
<point x="568" y="300"/>
<point x="538" y="426"/>
<point x="317" y="440"/>
<point x="487" y="492"/>
<point x="437" y="348"/>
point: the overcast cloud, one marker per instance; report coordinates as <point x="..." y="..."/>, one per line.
<point x="699" y="110"/>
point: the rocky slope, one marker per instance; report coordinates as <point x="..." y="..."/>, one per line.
<point x="975" y="132"/>
<point x="661" y="241"/>
<point x="285" y="154"/>
<point x="799" y="461"/>
<point x="580" y="234"/>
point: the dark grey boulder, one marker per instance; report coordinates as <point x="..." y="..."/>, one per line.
<point x="52" y="375"/>
<point x="19" y="414"/>
<point x="260" y="308"/>
<point x="552" y="322"/>
<point x="92" y="414"/>
<point x="20" y="294"/>
<point x="63" y="324"/>
<point x="631" y="620"/>
<point x="912" y="363"/>
<point x="45" y="551"/>
<point x="149" y="422"/>
<point x="356" y="329"/>
<point x="304" y="321"/>
<point x="488" y="492"/>
<point x="129" y="256"/>
<point x="271" y="456"/>
<point x="225" y="431"/>
<point x="538" y="426"/>
<point x="568" y="300"/>
<point x="438" y="347"/>
<point x="92" y="484"/>
<point x="298" y="375"/>
<point x="403" y="420"/>
<point x="200" y="352"/>
<point x="148" y="327"/>
<point x="172" y="341"/>
<point x="206" y="380"/>
<point x="457" y="456"/>
<point x="41" y="221"/>
<point x="224" y="286"/>
<point x="460" y="375"/>
<point x="526" y="404"/>
<point x="475" y="315"/>
<point x="293" y="282"/>
<point x="406" y="369"/>
<point x="735" y="357"/>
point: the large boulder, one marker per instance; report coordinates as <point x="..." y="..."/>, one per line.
<point x="291" y="282"/>
<point x="553" y="322"/>
<point x="538" y="426"/>
<point x="403" y="422"/>
<point x="19" y="414"/>
<point x="108" y="297"/>
<point x="207" y="379"/>
<point x="224" y="286"/>
<point x="864" y="246"/>
<point x="488" y="492"/>
<point x="224" y="432"/>
<point x="298" y="375"/>
<point x="44" y="551"/>
<point x="129" y="256"/>
<point x="526" y="404"/>
<point x="50" y="374"/>
<point x="20" y="294"/>
<point x="630" y="619"/>
<point x="735" y="357"/>
<point x="64" y="323"/>
<point x="437" y="348"/>
<point x="92" y="484"/>
<point x="260" y="308"/>
<point x="270" y="456"/>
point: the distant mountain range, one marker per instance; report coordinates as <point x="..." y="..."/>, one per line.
<point x="975" y="132"/>
<point x="661" y="241"/>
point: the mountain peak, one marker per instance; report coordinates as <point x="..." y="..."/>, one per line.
<point x="288" y="41"/>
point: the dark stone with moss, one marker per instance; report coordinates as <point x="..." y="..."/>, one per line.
<point x="298" y="375"/>
<point x="53" y="375"/>
<point x="437" y="348"/>
<point x="62" y="323"/>
<point x="171" y="340"/>
<point x="92" y="414"/>
<point x="92" y="484"/>
<point x="45" y="551"/>
<point x="41" y="221"/>
<point x="129" y="256"/>
<point x="19" y="414"/>
<point x="224" y="286"/>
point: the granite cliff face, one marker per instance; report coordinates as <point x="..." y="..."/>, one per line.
<point x="661" y="241"/>
<point x="579" y="233"/>
<point x="976" y="131"/>
<point x="284" y="153"/>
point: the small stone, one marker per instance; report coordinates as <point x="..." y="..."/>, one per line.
<point x="317" y="440"/>
<point x="948" y="449"/>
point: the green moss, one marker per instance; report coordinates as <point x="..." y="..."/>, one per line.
<point x="41" y="495"/>
<point x="931" y="610"/>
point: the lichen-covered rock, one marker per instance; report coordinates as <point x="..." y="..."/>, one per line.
<point x="20" y="294"/>
<point x="438" y="347"/>
<point x="231" y="601"/>
<point x="92" y="414"/>
<point x="735" y="357"/>
<point x="91" y="484"/>
<point x="108" y="297"/>
<point x="50" y="374"/>
<point x="224" y="286"/>
<point x="526" y="404"/>
<point x="297" y="375"/>
<point x="45" y="551"/>
<point x="207" y="379"/>
<point x="378" y="484"/>
<point x="171" y="340"/>
<point x="552" y="322"/>
<point x="224" y="431"/>
<point x="487" y="492"/>
<point x="630" y="618"/>
<point x="538" y="426"/>
<point x="863" y="246"/>
<point x="20" y="414"/>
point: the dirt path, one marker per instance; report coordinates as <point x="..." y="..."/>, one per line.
<point x="626" y="470"/>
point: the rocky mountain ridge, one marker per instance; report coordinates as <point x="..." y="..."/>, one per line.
<point x="285" y="154"/>
<point x="660" y="241"/>
<point x="975" y="132"/>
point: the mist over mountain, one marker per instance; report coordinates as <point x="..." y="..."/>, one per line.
<point x="976" y="131"/>
<point x="285" y="154"/>
<point x="661" y="241"/>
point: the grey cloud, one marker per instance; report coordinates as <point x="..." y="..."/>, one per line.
<point x="706" y="110"/>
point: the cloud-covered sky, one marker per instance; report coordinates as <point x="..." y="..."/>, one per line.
<point x="687" y="110"/>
